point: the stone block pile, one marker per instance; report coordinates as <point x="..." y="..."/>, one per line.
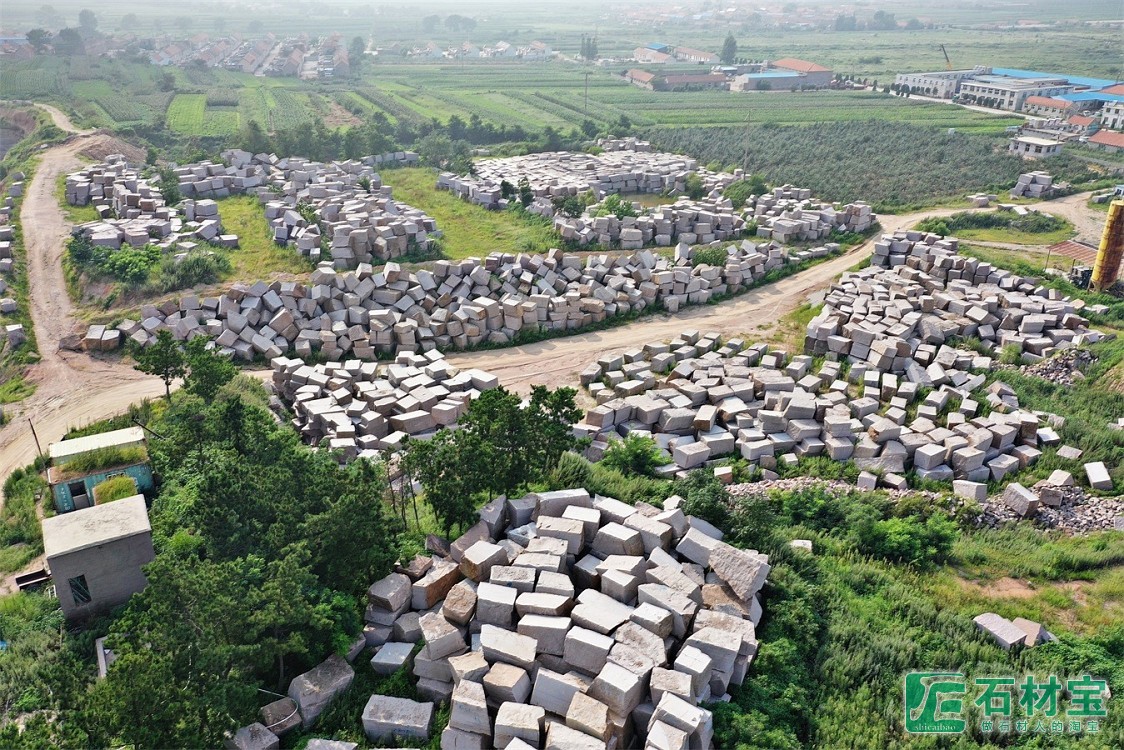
<point x="1033" y="185"/>
<point x="687" y="221"/>
<point x="918" y="293"/>
<point x="558" y="174"/>
<point x="308" y="696"/>
<point x="893" y="394"/>
<point x="132" y="213"/>
<point x="567" y="621"/>
<point x="363" y="408"/>
<point x="355" y="215"/>
<point x="453" y="305"/>
<point x="790" y="214"/>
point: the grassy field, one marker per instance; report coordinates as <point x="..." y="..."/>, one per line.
<point x="258" y="256"/>
<point x="1016" y="237"/>
<point x="470" y="230"/>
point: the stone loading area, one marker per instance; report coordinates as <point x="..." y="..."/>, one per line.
<point x="452" y="305"/>
<point x="362" y="408"/>
<point x="567" y="621"/>
<point x="14" y="334"/>
<point x="132" y="211"/>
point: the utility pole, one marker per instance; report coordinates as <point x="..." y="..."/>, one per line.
<point x="38" y="448"/>
<point x="745" y="156"/>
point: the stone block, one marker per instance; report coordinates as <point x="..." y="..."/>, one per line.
<point x="319" y="686"/>
<point x="386" y="718"/>
<point x="518" y="721"/>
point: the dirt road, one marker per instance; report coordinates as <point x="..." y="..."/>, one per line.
<point x="76" y="389"/>
<point x="72" y="388"/>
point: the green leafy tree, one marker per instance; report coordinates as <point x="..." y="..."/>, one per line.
<point x="169" y="186"/>
<point x="164" y="359"/>
<point x="87" y="21"/>
<point x="429" y="23"/>
<point x="636" y="455"/>
<point x="39" y="39"/>
<point x="526" y="195"/>
<point x="449" y="468"/>
<point x="69" y="42"/>
<point x="356" y="53"/>
<point x="729" y="50"/>
<point x="207" y="369"/>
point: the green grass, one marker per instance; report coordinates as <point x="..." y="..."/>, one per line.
<point x="20" y="536"/>
<point x="102" y="458"/>
<point x="115" y="488"/>
<point x="15" y="388"/>
<point x="1016" y="237"/>
<point x="258" y="256"/>
<point x="470" y="230"/>
<point x="73" y="214"/>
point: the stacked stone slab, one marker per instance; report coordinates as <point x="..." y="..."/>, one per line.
<point x="702" y="399"/>
<point x="1033" y="185"/>
<point x="919" y="293"/>
<point x="687" y="221"/>
<point x="558" y="174"/>
<point x="355" y="215"/>
<point x="591" y="624"/>
<point x="1007" y="633"/>
<point x="790" y="214"/>
<point x="453" y="305"/>
<point x="362" y="408"/>
<point x="132" y="212"/>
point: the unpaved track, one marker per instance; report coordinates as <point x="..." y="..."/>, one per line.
<point x="75" y="389"/>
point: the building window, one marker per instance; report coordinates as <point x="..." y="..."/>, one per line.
<point x="79" y="590"/>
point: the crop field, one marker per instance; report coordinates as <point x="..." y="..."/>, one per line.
<point x="119" y="106"/>
<point x="186" y="113"/>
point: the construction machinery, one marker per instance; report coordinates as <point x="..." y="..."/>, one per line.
<point x="947" y="62"/>
<point x="1106" y="268"/>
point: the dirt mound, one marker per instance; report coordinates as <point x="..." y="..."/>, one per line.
<point x="107" y="145"/>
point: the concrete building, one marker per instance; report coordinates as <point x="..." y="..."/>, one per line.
<point x="686" y="54"/>
<point x="1048" y="106"/>
<point x="101" y="457"/>
<point x="769" y="80"/>
<point x="1005" y="92"/>
<point x="940" y="84"/>
<point x="95" y="555"/>
<point x="648" y="56"/>
<point x="1033" y="147"/>
<point x="816" y="76"/>
<point x="1112" y="115"/>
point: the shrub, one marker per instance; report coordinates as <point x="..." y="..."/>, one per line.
<point x="635" y="455"/>
<point x="739" y="192"/>
<point x="694" y="186"/>
<point x="572" y="471"/>
<point x="614" y="205"/>
<point x="197" y="267"/>
<point x="710" y="256"/>
<point x="115" y="488"/>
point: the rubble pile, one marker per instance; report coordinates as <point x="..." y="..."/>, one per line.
<point x="562" y="620"/>
<point x="1064" y="368"/>
<point x="453" y="305"/>
<point x="1062" y="505"/>
<point x="362" y="408"/>
<point x="132" y="213"/>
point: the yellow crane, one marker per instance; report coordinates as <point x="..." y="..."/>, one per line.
<point x="947" y="62"/>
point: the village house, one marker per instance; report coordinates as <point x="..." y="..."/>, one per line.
<point x="1107" y="140"/>
<point x="1033" y="147"/>
<point x="95" y="555"/>
<point x="1112" y="115"/>
<point x="1048" y="106"/>
<point x="80" y="465"/>
<point x="814" y="75"/>
<point x="686" y="54"/>
<point x="649" y="56"/>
